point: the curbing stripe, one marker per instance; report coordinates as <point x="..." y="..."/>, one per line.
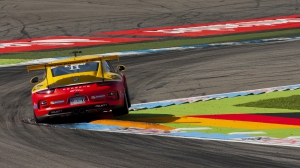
<point x="163" y="103"/>
<point x="162" y="50"/>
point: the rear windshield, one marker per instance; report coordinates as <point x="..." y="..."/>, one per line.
<point x="76" y="68"/>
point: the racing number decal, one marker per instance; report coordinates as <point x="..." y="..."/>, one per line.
<point x="74" y="67"/>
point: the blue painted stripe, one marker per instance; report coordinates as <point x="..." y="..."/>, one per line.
<point x="178" y="103"/>
<point x="89" y="126"/>
<point x="232" y="95"/>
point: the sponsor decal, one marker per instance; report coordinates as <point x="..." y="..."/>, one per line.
<point x="56" y="111"/>
<point x="216" y="28"/>
<point x="35" y="106"/>
<point x="76" y="88"/>
<point x="74" y="66"/>
<point x="56" y="42"/>
<point x="101" y="105"/>
<point x="98" y="96"/>
<point x="57" y="102"/>
<point x="75" y="79"/>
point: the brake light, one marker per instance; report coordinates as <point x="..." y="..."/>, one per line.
<point x="113" y="95"/>
<point x="43" y="103"/>
<point x="47" y="91"/>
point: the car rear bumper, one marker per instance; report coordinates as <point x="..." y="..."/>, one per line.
<point x="76" y="110"/>
<point x="81" y="99"/>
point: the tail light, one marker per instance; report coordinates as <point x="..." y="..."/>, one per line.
<point x="113" y="95"/>
<point x="42" y="104"/>
<point x="47" y="91"/>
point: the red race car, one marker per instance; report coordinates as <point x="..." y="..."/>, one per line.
<point x="79" y="85"/>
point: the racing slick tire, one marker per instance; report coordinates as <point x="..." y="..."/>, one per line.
<point x="39" y="120"/>
<point x="123" y="110"/>
<point x="128" y="97"/>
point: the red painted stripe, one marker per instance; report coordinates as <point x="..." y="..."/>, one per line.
<point x="215" y="28"/>
<point x="253" y="118"/>
<point x="55" y="42"/>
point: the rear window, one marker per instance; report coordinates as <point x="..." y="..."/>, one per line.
<point x="75" y="68"/>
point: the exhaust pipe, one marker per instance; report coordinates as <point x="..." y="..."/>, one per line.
<point x="81" y="111"/>
<point x="75" y="111"/>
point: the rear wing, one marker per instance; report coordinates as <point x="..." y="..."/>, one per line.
<point x="76" y="60"/>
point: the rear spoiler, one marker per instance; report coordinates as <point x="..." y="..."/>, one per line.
<point x="71" y="62"/>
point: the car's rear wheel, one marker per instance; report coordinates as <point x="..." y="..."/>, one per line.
<point x="123" y="110"/>
<point x="39" y="120"/>
<point x="128" y="97"/>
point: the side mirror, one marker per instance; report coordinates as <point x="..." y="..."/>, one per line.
<point x="121" y="68"/>
<point x="34" y="79"/>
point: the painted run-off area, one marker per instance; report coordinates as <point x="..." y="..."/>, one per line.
<point x="195" y="117"/>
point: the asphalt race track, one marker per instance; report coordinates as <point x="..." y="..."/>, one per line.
<point x="150" y="78"/>
<point x="35" y="18"/>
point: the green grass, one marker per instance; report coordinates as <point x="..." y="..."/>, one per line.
<point x="291" y="102"/>
<point x="152" y="45"/>
<point x="12" y="61"/>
